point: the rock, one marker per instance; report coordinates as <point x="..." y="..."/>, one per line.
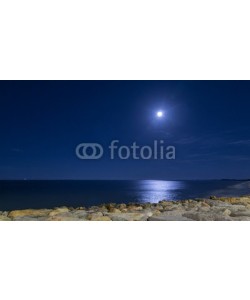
<point x="81" y="214"/>
<point x="93" y="209"/>
<point x="235" y="200"/>
<point x="29" y="212"/>
<point x="217" y="203"/>
<point x="110" y="206"/>
<point x="115" y="210"/>
<point x="167" y="205"/>
<point x="241" y="218"/>
<point x="102" y="218"/>
<point x="178" y="207"/>
<point x="122" y="206"/>
<point x="241" y="213"/>
<point x="204" y="204"/>
<point x="163" y="217"/>
<point x="4" y="218"/>
<point x="201" y="209"/>
<point x="128" y="216"/>
<point x="58" y="210"/>
<point x="80" y="208"/>
<point x="206" y="217"/>
<point x="227" y="212"/>
<point x="148" y="212"/>
<point x="134" y="208"/>
<point x="159" y="207"/>
<point x="26" y="218"/>
<point x="237" y="207"/>
<point x="169" y="215"/>
<point x="156" y="212"/>
<point x="103" y="209"/>
<point x="94" y="215"/>
<point x="147" y="205"/>
<point x="64" y="216"/>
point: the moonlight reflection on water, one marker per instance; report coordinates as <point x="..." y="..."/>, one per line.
<point x="157" y="190"/>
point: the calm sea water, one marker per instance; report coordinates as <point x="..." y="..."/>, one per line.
<point x="49" y="194"/>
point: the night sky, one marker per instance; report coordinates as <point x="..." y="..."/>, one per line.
<point x="42" y="122"/>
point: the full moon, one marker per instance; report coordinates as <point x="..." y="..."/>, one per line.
<point x="159" y="114"/>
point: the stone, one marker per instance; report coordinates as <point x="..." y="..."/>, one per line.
<point x="29" y="212"/>
<point x="110" y="206"/>
<point x="26" y="218"/>
<point x="227" y="212"/>
<point x="134" y="208"/>
<point x="80" y="208"/>
<point x="241" y="213"/>
<point x="159" y="207"/>
<point x="58" y="210"/>
<point x="201" y="209"/>
<point x="4" y="218"/>
<point x="148" y="212"/>
<point x="94" y="208"/>
<point x="103" y="209"/>
<point x="128" y="216"/>
<point x="156" y="212"/>
<point x="80" y="214"/>
<point x="241" y="218"/>
<point x="122" y="206"/>
<point x="94" y="215"/>
<point x="64" y="216"/>
<point x="102" y="218"/>
<point x="204" y="204"/>
<point x="169" y="218"/>
<point x="115" y="210"/>
<point x="217" y="203"/>
<point x="206" y="217"/>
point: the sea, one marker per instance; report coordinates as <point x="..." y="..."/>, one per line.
<point x="72" y="193"/>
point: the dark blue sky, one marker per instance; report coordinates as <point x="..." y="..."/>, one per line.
<point x="41" y="123"/>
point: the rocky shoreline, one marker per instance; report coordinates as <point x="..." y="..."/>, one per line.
<point x="212" y="209"/>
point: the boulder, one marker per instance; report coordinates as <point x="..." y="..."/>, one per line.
<point x="29" y="212"/>
<point x="217" y="203"/>
<point x="58" y="210"/>
<point x="128" y="216"/>
<point x="101" y="218"/>
<point x="163" y="217"/>
<point x="26" y="218"/>
<point x="115" y="210"/>
<point x="81" y="214"/>
<point x="4" y="218"/>
<point x="134" y="208"/>
<point x="241" y="213"/>
<point x="206" y="217"/>
<point x="94" y="215"/>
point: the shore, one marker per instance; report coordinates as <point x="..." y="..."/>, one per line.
<point x="212" y="209"/>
